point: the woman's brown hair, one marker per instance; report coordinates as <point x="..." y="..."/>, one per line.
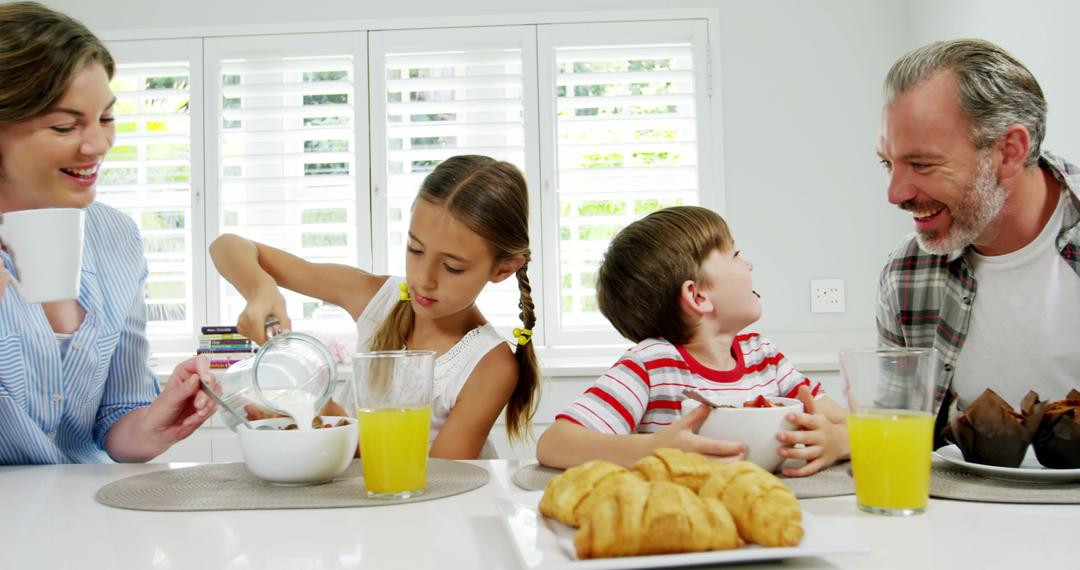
<point x="491" y="199"/>
<point x="41" y="51"/>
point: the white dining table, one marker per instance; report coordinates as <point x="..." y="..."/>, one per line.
<point x="49" y="519"/>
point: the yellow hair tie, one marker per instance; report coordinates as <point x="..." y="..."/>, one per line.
<point x="404" y="288"/>
<point x="523" y="336"/>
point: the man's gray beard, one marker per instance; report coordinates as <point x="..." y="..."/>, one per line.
<point x="978" y="207"/>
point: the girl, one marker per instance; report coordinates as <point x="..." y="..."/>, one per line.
<point x="469" y="227"/>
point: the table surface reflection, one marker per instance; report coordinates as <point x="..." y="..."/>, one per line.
<point x="50" y="520"/>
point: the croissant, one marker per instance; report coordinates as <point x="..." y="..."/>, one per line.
<point x="604" y="492"/>
<point x="632" y="517"/>
<point x="765" y="510"/>
<point x="566" y="491"/>
<point x="666" y="464"/>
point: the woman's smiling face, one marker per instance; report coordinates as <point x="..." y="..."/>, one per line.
<point x="52" y="160"/>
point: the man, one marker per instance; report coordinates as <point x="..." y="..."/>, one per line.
<point x="991" y="277"/>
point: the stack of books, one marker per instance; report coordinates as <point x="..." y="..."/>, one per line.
<point x="225" y="346"/>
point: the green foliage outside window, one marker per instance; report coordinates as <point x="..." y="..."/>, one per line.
<point x="326" y="121"/>
<point x="323" y="216"/>
<point x="601" y="208"/>
<point x="124" y="152"/>
<point x="312" y="76"/>
<point x="326" y="168"/>
<point x="331" y="99"/>
<point x="322" y="239"/>
<point x="167" y="174"/>
<point x="168" y="220"/>
<point x="329" y="145"/>
<point x="604" y="233"/>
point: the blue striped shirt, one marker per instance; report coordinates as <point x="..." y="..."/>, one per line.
<point x="58" y="408"/>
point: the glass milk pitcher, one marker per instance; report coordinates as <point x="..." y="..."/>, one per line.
<point x="292" y="373"/>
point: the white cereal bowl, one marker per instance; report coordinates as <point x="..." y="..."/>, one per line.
<point x="755" y="427"/>
<point x="295" y="457"/>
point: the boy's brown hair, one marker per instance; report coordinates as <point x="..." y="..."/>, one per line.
<point x="646" y="264"/>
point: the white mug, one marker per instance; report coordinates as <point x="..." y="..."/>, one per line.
<point x="46" y="247"/>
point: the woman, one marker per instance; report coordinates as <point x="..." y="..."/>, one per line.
<point x="75" y="385"/>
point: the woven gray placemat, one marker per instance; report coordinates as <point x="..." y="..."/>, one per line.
<point x="534" y="477"/>
<point x="831" y="482"/>
<point x="950" y="481"/>
<point x="229" y="486"/>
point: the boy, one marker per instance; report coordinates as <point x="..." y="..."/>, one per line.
<point x="673" y="283"/>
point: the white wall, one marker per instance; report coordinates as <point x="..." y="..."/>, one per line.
<point x="1041" y="34"/>
<point x="805" y="195"/>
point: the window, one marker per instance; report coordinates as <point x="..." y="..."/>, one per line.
<point x="622" y="109"/>
<point x="284" y="150"/>
<point x="150" y="172"/>
<point x="442" y="93"/>
<point x="617" y="118"/>
<point x="608" y="121"/>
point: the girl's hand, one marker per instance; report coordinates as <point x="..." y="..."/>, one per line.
<point x="824" y="442"/>
<point x="265" y="302"/>
<point x="682" y="434"/>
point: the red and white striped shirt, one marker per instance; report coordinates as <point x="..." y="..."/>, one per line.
<point x="642" y="392"/>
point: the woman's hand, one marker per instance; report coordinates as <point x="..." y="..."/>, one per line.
<point x="181" y="407"/>
<point x="265" y="302"/>
<point x="824" y="441"/>
<point x="174" y="415"/>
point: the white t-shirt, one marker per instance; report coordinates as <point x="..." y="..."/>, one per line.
<point x="1025" y="323"/>
<point x="452" y="369"/>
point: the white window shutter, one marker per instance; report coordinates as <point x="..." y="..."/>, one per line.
<point x="627" y="102"/>
<point x="287" y="172"/>
<point x="440" y="93"/>
<point x="150" y="172"/>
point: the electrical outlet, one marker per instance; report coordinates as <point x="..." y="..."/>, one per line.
<point x="826" y="295"/>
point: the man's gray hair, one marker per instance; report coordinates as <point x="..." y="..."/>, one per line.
<point x="996" y="90"/>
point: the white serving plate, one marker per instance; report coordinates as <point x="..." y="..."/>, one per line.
<point x="542" y="543"/>
<point x="1030" y="471"/>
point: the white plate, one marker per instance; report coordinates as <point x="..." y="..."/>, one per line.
<point x="542" y="543"/>
<point x="1029" y="471"/>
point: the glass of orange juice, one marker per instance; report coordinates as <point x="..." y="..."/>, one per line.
<point x="392" y="394"/>
<point x="890" y="424"/>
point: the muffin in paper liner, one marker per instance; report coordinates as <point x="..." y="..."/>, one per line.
<point x="990" y="432"/>
<point x="1057" y="439"/>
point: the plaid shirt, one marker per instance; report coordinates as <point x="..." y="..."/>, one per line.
<point x="924" y="300"/>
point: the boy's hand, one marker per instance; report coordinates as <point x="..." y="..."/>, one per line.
<point x="824" y="442"/>
<point x="683" y="435"/>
